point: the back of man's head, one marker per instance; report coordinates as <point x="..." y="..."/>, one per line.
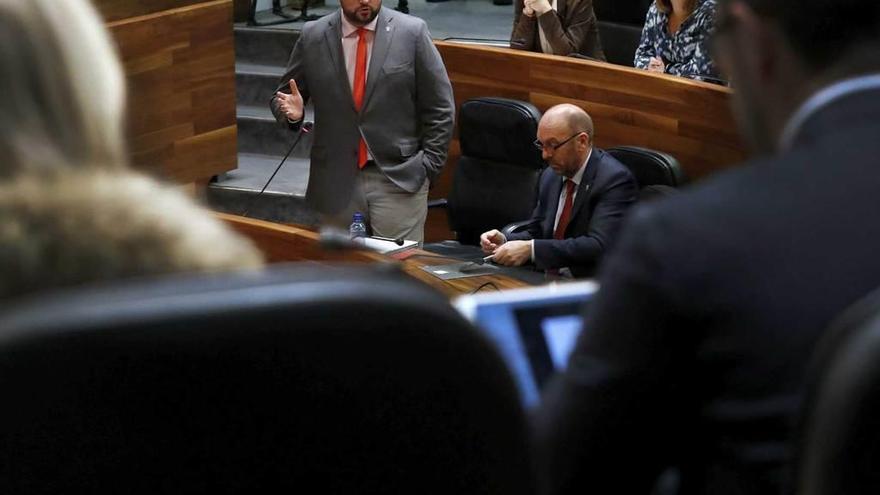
<point x="823" y="32"/>
<point x="780" y="52"/>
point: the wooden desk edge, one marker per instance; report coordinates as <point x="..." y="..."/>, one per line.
<point x="289" y="243"/>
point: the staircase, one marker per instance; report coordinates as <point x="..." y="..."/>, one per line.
<point x="261" y="55"/>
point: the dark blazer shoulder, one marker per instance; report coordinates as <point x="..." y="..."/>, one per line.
<point x="610" y="169"/>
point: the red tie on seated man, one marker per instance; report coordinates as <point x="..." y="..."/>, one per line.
<point x="572" y="226"/>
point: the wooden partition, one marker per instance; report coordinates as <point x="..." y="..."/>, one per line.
<point x="284" y="243"/>
<point x="180" y="61"/>
<point x="690" y="120"/>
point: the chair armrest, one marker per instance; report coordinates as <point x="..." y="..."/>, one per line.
<point x="516" y="227"/>
<point x="438" y="203"/>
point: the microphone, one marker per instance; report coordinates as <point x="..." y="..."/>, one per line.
<point x="336" y="239"/>
<point x="398" y="241"/>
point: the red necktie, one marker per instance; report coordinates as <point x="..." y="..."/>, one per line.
<point x="559" y="234"/>
<point x="360" y="85"/>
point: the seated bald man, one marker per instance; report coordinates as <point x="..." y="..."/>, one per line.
<point x="582" y="198"/>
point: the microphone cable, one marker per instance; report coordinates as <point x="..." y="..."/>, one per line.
<point x="305" y="128"/>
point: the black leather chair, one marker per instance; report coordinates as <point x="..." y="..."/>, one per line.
<point x="839" y="435"/>
<point x="620" y="42"/>
<point x="622" y="11"/>
<point x="496" y="178"/>
<point x="650" y="167"/>
<point x="306" y="380"/>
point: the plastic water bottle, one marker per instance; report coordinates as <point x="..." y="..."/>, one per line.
<point x="358" y="229"/>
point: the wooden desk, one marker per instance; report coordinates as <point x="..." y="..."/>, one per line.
<point x="287" y="243"/>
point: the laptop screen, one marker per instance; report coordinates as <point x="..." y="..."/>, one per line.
<point x="534" y="329"/>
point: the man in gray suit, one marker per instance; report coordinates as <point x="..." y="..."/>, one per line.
<point x="383" y="115"/>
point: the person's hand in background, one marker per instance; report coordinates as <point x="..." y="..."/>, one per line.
<point x="656" y="65"/>
<point x="513" y="253"/>
<point x="538" y="7"/>
<point x="291" y="104"/>
<point x="490" y="241"/>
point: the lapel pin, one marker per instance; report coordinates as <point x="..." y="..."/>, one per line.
<point x="388" y="29"/>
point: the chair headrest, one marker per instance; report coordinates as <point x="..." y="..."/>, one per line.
<point x="500" y="130"/>
<point x="837" y="430"/>
<point x="650" y="167"/>
<point x="349" y="378"/>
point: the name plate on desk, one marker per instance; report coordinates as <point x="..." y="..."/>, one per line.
<point x="461" y="270"/>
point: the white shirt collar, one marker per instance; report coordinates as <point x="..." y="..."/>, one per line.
<point x="349" y="29"/>
<point x="579" y="175"/>
<point x="822" y="99"/>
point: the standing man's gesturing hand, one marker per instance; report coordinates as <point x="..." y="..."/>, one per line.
<point x="291" y="104"/>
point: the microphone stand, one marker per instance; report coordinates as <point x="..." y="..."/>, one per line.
<point x="305" y="128"/>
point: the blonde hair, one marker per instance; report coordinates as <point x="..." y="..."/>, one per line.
<point x="62" y="94"/>
<point x="68" y="228"/>
<point x="665" y="6"/>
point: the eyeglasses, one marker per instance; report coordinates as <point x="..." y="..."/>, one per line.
<point x="553" y="147"/>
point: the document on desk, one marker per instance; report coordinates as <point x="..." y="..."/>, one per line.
<point x="388" y="247"/>
<point x="460" y="270"/>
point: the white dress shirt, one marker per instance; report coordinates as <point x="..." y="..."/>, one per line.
<point x="349" y="50"/>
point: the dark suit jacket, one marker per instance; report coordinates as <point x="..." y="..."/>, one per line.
<point x="694" y="351"/>
<point x="606" y="191"/>
<point x="571" y="29"/>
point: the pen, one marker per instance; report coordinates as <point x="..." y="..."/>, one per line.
<point x="489" y="258"/>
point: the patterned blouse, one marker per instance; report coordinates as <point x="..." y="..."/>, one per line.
<point x="686" y="53"/>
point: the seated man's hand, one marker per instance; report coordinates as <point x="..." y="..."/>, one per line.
<point x="490" y="241"/>
<point x="513" y="253"/>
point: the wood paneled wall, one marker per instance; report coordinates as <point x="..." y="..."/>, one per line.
<point x="179" y="57"/>
<point x="691" y="120"/>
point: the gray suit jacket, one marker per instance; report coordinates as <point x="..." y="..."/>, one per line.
<point x="407" y="115"/>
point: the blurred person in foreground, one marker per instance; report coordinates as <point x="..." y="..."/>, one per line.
<point x="70" y="211"/>
<point x="694" y="352"/>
